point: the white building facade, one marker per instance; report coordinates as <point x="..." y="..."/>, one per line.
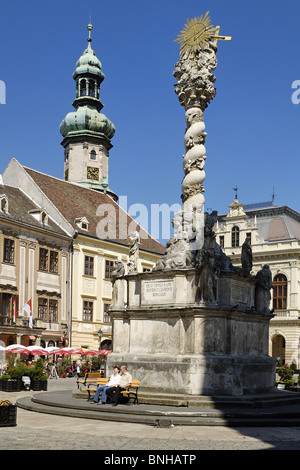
<point x="274" y="233"/>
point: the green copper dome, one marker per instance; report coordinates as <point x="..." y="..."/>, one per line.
<point x="89" y="63"/>
<point x="86" y="119"/>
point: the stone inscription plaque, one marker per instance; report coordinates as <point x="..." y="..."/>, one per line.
<point x="239" y="293"/>
<point x="157" y="292"/>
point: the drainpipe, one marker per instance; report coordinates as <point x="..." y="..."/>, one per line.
<point x="70" y="285"/>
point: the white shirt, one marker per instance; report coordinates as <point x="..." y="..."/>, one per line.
<point x="114" y="380"/>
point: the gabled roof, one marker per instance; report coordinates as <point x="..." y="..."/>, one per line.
<point x="21" y="208"/>
<point x="75" y="201"/>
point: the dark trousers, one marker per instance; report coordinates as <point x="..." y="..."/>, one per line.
<point x="113" y="393"/>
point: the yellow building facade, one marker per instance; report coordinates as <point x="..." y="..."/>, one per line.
<point x="34" y="263"/>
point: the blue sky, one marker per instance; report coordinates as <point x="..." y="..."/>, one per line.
<point x="252" y="125"/>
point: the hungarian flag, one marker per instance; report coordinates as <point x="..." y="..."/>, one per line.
<point x="28" y="309"/>
<point x="14" y="309"/>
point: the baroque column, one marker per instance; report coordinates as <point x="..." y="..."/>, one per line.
<point x="195" y="90"/>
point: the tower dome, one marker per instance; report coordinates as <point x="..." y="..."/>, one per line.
<point x="86" y="120"/>
<point x="88" y="62"/>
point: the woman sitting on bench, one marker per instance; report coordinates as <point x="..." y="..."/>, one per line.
<point x="113" y="382"/>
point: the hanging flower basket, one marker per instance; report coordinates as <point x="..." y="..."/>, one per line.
<point x="8" y="413"/>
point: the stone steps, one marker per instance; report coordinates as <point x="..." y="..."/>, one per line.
<point x="64" y="404"/>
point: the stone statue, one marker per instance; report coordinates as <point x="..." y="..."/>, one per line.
<point x="262" y="290"/>
<point x="246" y="256"/>
<point x="178" y="254"/>
<point x="134" y="252"/>
<point x="206" y="255"/>
<point x="118" y="271"/>
<point x="118" y="284"/>
<point x="206" y="282"/>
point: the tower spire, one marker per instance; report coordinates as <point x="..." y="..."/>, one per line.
<point x="90" y="27"/>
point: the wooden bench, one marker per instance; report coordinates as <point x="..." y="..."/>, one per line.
<point x="130" y="392"/>
<point x="91" y="388"/>
<point x="89" y="378"/>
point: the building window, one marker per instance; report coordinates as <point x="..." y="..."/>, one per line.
<point x="235" y="237"/>
<point x="47" y="310"/>
<point x="53" y="308"/>
<point x="92" y="88"/>
<point x="82" y="88"/>
<point x="106" y="316"/>
<point x="109" y="266"/>
<point x="221" y="241"/>
<point x="4" y="204"/>
<point x="248" y="235"/>
<point x="82" y="223"/>
<point x="43" y="259"/>
<point x="43" y="309"/>
<point x="9" y="251"/>
<point x="53" y="268"/>
<point x="279" y="292"/>
<point x="48" y="260"/>
<point x="8" y="307"/>
<point x="88" y="265"/>
<point x="92" y="155"/>
<point x="87" y="311"/>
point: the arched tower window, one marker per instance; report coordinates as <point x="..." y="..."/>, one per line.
<point x="83" y="88"/>
<point x="279" y="292"/>
<point x="92" y="88"/>
<point x="235" y="237"/>
<point x="92" y="155"/>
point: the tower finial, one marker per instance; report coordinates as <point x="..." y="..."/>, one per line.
<point x="89" y="27"/>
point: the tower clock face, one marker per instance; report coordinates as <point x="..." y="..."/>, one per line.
<point x="92" y="173"/>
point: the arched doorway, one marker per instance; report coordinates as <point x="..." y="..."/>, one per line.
<point x="278" y="349"/>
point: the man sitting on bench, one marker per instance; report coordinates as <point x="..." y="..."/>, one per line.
<point x="113" y="392"/>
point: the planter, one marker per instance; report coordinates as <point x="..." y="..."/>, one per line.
<point x="8" y="415"/>
<point x="37" y="385"/>
<point x="11" y="385"/>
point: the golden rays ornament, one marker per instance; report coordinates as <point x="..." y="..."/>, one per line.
<point x="197" y="33"/>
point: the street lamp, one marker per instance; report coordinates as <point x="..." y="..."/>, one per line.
<point x="100" y="333"/>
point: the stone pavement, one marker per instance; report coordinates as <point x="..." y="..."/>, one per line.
<point x="39" y="431"/>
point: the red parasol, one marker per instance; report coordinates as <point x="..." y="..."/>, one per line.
<point x="34" y="350"/>
<point x="15" y="348"/>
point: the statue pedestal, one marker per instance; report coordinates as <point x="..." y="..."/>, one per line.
<point x="175" y="342"/>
